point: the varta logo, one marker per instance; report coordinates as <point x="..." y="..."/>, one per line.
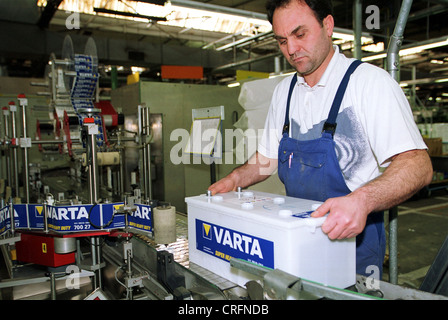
<point x="206" y="231"/>
<point x="4" y="214"/>
<point x="241" y="242"/>
<point x="118" y="206"/>
<point x="68" y="213"/>
<point x="142" y="212"/>
<point x="39" y="210"/>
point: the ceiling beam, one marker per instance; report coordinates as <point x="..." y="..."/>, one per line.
<point x="128" y="14"/>
<point x="48" y="13"/>
<point x="217" y="8"/>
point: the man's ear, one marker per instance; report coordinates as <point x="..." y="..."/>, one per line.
<point x="328" y="24"/>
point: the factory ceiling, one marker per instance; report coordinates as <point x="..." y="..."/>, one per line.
<point x="149" y="34"/>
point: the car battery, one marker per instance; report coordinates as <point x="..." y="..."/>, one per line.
<point x="269" y="230"/>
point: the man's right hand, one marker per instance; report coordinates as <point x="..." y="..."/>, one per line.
<point x="257" y="169"/>
<point x="226" y="184"/>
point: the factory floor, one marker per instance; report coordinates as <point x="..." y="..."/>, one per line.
<point x="422" y="228"/>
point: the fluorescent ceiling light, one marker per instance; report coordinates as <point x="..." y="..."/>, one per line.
<point x="233" y="84"/>
<point x="348" y="36"/>
<point x="177" y="16"/>
<point x="423" y="47"/>
<point x="408" y="50"/>
<point x="375" y="57"/>
<point x="442" y="80"/>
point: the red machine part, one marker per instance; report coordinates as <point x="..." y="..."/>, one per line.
<point x="39" y="249"/>
<point x="109" y="117"/>
<point x="57" y="133"/>
<point x="66" y="128"/>
<point x="108" y="111"/>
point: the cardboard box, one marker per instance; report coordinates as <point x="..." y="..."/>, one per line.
<point x="435" y="146"/>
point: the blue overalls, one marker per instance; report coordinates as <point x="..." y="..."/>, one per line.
<point x="310" y="170"/>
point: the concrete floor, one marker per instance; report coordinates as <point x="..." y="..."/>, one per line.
<point x="422" y="228"/>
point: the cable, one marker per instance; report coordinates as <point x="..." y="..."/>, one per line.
<point x="128" y="290"/>
<point x="103" y="226"/>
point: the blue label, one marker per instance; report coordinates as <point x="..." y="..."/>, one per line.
<point x="35" y="216"/>
<point x="75" y="218"/>
<point x="224" y="243"/>
<point x="141" y="218"/>
<point x="5" y="222"/>
<point x="83" y="218"/>
<point x="303" y="215"/>
<point x="72" y="218"/>
<point x="20" y="217"/>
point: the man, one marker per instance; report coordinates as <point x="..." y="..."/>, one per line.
<point x="331" y="145"/>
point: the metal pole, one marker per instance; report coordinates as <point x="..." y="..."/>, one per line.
<point x="393" y="67"/>
<point x="98" y="261"/>
<point x="396" y="40"/>
<point x="129" y="271"/>
<point x="147" y="150"/>
<point x="11" y="217"/>
<point x="141" y="134"/>
<point x="45" y="217"/>
<point x="6" y="114"/>
<point x="92" y="130"/>
<point x="15" y="159"/>
<point x="93" y="181"/>
<point x="357" y="23"/>
<point x="93" y="169"/>
<point x="53" y="285"/>
<point x="121" y="149"/>
<point x="23" y="103"/>
<point x="393" y="245"/>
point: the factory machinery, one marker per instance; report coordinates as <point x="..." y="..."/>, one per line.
<point x="101" y="241"/>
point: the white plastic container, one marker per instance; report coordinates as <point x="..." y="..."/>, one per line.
<point x="270" y="230"/>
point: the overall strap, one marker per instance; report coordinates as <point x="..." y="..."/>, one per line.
<point x="291" y="89"/>
<point x="330" y="124"/>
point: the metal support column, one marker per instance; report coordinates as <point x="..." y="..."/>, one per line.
<point x="357" y="25"/>
<point x="25" y="145"/>
<point x="6" y="115"/>
<point x="393" y="67"/>
<point x="145" y="133"/>
<point x="91" y="157"/>
<point x="15" y="158"/>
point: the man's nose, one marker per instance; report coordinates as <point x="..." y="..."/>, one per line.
<point x="293" y="47"/>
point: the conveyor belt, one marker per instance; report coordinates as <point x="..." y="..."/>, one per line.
<point x="179" y="249"/>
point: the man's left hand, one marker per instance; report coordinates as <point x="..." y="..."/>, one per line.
<point x="346" y="219"/>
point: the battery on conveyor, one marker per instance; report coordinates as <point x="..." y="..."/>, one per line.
<point x="274" y="231"/>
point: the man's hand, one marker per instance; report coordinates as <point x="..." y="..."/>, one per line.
<point x="407" y="173"/>
<point x="257" y="169"/>
<point x="226" y="184"/>
<point x="346" y="218"/>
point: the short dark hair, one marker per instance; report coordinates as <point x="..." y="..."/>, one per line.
<point x="321" y="8"/>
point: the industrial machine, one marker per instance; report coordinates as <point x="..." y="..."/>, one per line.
<point x="97" y="239"/>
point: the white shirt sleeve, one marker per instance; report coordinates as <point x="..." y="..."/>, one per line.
<point x="385" y="114"/>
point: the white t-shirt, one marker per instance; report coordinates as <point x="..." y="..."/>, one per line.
<point x="374" y="123"/>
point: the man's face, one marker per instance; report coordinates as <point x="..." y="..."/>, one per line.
<point x="304" y="42"/>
